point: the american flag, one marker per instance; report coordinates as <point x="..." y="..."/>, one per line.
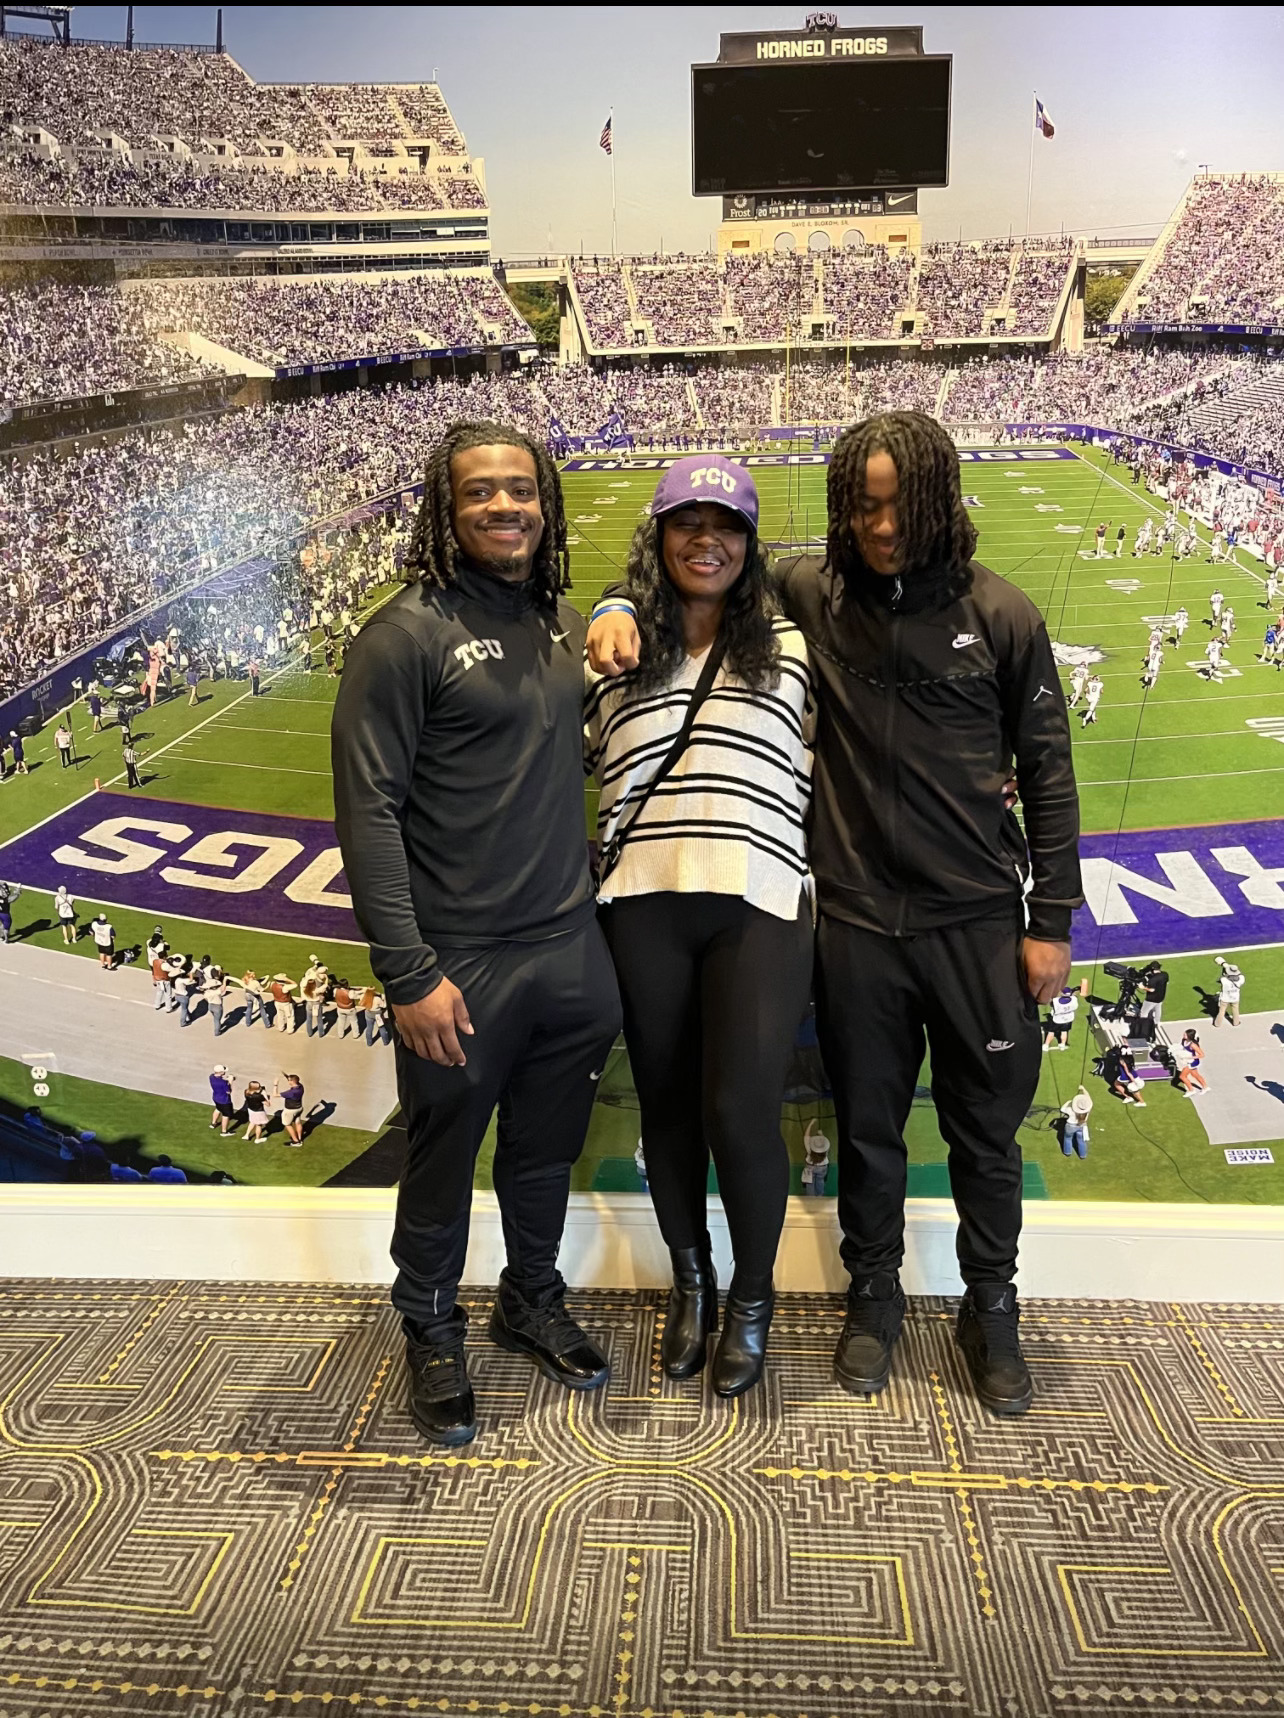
<point x="604" y="141"/>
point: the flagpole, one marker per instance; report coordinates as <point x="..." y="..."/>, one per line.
<point x="1029" y="182"/>
<point x="614" y="244"/>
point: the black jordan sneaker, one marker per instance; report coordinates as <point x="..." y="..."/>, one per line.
<point x="441" y="1398"/>
<point x="543" y="1329"/>
<point x="988" y="1332"/>
<point x="875" y="1313"/>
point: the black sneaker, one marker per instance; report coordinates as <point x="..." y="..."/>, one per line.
<point x="545" y="1331"/>
<point x="875" y="1312"/>
<point x="441" y="1398"/>
<point x="989" y="1335"/>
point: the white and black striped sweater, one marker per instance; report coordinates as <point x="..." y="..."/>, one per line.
<point x="729" y="817"/>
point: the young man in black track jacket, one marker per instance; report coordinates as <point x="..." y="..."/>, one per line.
<point x="940" y="921"/>
<point x="459" y="804"/>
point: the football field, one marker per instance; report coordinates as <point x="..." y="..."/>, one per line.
<point x="1182" y="809"/>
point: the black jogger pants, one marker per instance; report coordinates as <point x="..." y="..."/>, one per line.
<point x="544" y="1017"/>
<point x="713" y="990"/>
<point x="878" y="1000"/>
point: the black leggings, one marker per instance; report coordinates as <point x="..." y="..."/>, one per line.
<point x="713" y="990"/>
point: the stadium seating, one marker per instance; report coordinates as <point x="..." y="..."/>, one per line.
<point x="959" y="285"/>
<point x="604" y="301"/>
<point x="98" y="181"/>
<point x="865" y="292"/>
<point x="315" y="322"/>
<point x="1224" y="259"/>
<point x="769" y="294"/>
<point x="58" y="341"/>
<point x="685" y="304"/>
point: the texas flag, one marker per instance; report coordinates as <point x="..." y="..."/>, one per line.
<point x="1041" y="121"/>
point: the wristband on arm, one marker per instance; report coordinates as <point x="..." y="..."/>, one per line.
<point x="623" y="606"/>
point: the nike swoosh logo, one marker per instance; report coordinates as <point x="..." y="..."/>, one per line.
<point x="1000" y="1044"/>
<point x="965" y="638"/>
<point x="558" y="637"/>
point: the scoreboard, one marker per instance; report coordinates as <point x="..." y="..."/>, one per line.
<point x="825" y="113"/>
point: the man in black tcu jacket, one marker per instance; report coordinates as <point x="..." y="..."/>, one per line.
<point x="458" y="746"/>
<point x="934" y="675"/>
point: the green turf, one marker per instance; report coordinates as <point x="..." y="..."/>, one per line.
<point x="132" y="1126"/>
<point x="1180" y="755"/>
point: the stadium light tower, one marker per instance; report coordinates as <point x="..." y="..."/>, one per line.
<point x="58" y="19"/>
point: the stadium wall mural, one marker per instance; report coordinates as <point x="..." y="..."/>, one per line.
<point x="227" y="845"/>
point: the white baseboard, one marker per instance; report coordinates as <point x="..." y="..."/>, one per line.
<point x="279" y="1234"/>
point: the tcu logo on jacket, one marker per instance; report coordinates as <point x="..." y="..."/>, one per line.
<point x="478" y="650"/>
<point x="711" y="475"/>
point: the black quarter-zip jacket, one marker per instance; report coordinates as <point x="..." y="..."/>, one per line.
<point x="457" y="745"/>
<point x="931" y="689"/>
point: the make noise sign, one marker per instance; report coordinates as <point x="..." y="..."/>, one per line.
<point x="191" y="861"/>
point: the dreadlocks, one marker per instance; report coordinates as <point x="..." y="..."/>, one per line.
<point x="434" y="549"/>
<point x="934" y="528"/>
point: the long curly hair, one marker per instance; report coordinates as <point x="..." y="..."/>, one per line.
<point x="934" y="527"/>
<point x="753" y="650"/>
<point x="434" y="553"/>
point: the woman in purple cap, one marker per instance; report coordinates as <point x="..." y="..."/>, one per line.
<point x="703" y="757"/>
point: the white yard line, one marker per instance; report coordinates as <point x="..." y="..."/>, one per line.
<point x="254" y="728"/>
<point x="1172" y="739"/>
<point x="1201" y="775"/>
<point x="227" y="763"/>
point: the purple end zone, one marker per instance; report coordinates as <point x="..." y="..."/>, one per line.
<point x="1152" y="891"/>
<point x="191" y="861"/>
<point x="1179" y="891"/>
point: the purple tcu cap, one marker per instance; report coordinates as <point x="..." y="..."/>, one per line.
<point x="707" y="477"/>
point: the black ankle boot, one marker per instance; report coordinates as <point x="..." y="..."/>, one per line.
<point x="693" y="1312"/>
<point x="742" y="1347"/>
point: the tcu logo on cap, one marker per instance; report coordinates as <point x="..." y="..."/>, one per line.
<point x="713" y="475"/>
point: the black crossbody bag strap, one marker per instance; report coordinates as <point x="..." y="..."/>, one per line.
<point x="610" y="856"/>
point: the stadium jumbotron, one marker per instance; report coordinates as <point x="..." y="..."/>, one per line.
<point x="238" y="315"/>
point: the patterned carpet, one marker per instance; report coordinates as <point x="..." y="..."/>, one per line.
<point x="212" y="1502"/>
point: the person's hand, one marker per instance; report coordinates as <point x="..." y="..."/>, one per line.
<point x="1011" y="792"/>
<point x="1046" y="966"/>
<point x="431" y="1026"/>
<point x="613" y="644"/>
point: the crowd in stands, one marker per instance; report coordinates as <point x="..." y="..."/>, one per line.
<point x="56" y="341"/>
<point x="957" y="290"/>
<point x="769" y="293"/>
<point x="1225" y="261"/>
<point x="59" y="340"/>
<point x="684" y="305"/>
<point x="342" y="316"/>
<point x="86" y="88"/>
<point x="1038" y="281"/>
<point x="605" y="302"/>
<point x="109" y="181"/>
<point x="181" y="92"/>
<point x="97" y="534"/>
<point x="958" y="284"/>
<point x="1103" y="387"/>
<point x="864" y="292"/>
